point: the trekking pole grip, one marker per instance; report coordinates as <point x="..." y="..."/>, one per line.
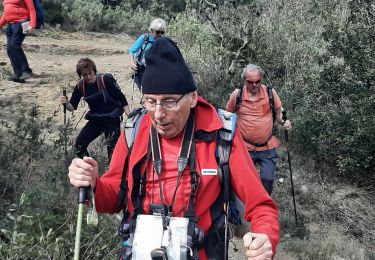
<point x="82" y="194"/>
<point x="64" y="94"/>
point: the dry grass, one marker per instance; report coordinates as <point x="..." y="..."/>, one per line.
<point x="335" y="216"/>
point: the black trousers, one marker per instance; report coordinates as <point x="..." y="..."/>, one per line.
<point x="92" y="130"/>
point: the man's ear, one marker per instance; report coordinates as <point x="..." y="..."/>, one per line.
<point x="193" y="99"/>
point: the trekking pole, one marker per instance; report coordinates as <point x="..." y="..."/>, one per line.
<point x="226" y="240"/>
<point x="65" y="134"/>
<point x="227" y="212"/>
<point x="133" y="81"/>
<point x="290" y="165"/>
<point x="83" y="114"/>
<point x="82" y="195"/>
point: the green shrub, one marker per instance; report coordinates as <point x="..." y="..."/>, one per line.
<point x="38" y="210"/>
<point x="340" y="122"/>
<point x="83" y="14"/>
<point x="86" y="15"/>
<point x="52" y="12"/>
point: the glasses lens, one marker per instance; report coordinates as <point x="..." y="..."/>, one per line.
<point x="253" y="82"/>
<point x="168" y="105"/>
<point x="150" y="104"/>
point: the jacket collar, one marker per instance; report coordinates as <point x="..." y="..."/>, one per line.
<point x="206" y="120"/>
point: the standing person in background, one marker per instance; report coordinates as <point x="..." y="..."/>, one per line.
<point x="141" y="45"/>
<point x="106" y="102"/>
<point x="255" y="121"/>
<point x="16" y="12"/>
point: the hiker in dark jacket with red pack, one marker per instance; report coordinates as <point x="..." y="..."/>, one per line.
<point x="106" y="102"/>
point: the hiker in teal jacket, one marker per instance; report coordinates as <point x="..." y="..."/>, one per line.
<point x="141" y="45"/>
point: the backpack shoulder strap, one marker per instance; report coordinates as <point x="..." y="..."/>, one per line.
<point x="223" y="148"/>
<point x="131" y="125"/>
<point x="224" y="141"/>
<point x="146" y="40"/>
<point x="101" y="85"/>
<point x="130" y="131"/>
<point x="238" y="98"/>
<point x="102" y="82"/>
<point x="271" y="101"/>
<point x="81" y="87"/>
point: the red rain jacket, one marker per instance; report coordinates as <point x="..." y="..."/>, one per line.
<point x="259" y="207"/>
<point x="15" y="11"/>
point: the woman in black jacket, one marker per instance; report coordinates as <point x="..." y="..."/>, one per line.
<point x="106" y="102"/>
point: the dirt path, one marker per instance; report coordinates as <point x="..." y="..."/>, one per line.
<point x="52" y="55"/>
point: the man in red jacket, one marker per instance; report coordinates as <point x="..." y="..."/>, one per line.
<point x="180" y="122"/>
<point x="15" y="13"/>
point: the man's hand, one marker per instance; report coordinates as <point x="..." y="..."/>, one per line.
<point x="63" y="99"/>
<point x="258" y="246"/>
<point x="30" y="30"/>
<point x="287" y="125"/>
<point x="134" y="65"/>
<point x="83" y="172"/>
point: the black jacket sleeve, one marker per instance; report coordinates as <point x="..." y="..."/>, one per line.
<point x="76" y="97"/>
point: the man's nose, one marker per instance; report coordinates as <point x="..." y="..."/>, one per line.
<point x="159" y="111"/>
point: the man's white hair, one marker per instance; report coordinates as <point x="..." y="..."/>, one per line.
<point x="158" y="24"/>
<point x="252" y="67"/>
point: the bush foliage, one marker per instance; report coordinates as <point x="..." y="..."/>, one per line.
<point x="37" y="210"/>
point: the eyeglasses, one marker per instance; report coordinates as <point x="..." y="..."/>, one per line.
<point x="159" y="32"/>
<point x="167" y="104"/>
<point x="253" y="82"/>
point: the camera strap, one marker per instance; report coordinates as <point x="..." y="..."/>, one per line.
<point x="183" y="158"/>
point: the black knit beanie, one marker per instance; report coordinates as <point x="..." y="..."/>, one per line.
<point x="166" y="71"/>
